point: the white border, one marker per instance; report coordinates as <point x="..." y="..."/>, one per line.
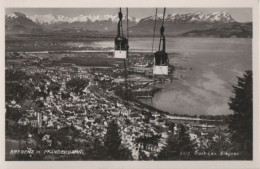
<point x="254" y="4"/>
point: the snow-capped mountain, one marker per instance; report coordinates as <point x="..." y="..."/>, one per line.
<point x="18" y="23"/>
<point x="179" y="23"/>
<point x="16" y="15"/>
<point x="223" y="17"/>
<point x="198" y="17"/>
<point x="59" y="22"/>
<point x="58" y="19"/>
<point x="175" y="23"/>
<point x="18" y="18"/>
<point x="175" y="18"/>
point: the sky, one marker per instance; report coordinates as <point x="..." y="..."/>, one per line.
<point x="239" y="14"/>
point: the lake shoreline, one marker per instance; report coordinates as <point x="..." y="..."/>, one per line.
<point x="206" y="69"/>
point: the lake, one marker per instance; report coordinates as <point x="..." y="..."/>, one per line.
<point x="206" y="69"/>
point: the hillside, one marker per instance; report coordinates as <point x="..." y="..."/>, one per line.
<point x="233" y="31"/>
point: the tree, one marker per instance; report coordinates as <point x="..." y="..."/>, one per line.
<point x="171" y="126"/>
<point x="97" y="150"/>
<point x="184" y="140"/>
<point x="94" y="150"/>
<point x="218" y="145"/>
<point x="13" y="113"/>
<point x="241" y="123"/>
<point x="112" y="140"/>
<point x="77" y="85"/>
<point x="170" y="151"/>
<point x="176" y="146"/>
<point x="54" y="87"/>
<point x="15" y="75"/>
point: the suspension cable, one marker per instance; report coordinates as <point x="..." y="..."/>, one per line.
<point x="163" y="15"/>
<point x="155" y="18"/>
<point x="127" y="61"/>
<point x="162" y="27"/>
<point x="127" y="28"/>
<point x="120" y="21"/>
<point x="129" y="86"/>
<point x="154" y="29"/>
<point x="153" y="86"/>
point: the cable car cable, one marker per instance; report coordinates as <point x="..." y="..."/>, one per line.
<point x="121" y="34"/>
<point x="162" y="29"/>
<point x="161" y="60"/>
<point x="125" y="62"/>
<point x="161" y="38"/>
<point x="154" y="27"/>
<point x="155" y="19"/>
<point x="127" y="28"/>
<point x="121" y="49"/>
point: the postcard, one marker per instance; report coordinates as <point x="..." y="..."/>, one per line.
<point x="150" y="84"/>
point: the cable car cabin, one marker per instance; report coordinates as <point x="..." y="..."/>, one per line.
<point x="121" y="48"/>
<point x="160" y="63"/>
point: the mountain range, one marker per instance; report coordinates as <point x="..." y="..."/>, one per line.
<point x="175" y="24"/>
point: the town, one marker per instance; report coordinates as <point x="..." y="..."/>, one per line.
<point x="51" y="103"/>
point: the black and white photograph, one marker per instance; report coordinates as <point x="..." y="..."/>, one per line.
<point x="129" y="84"/>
